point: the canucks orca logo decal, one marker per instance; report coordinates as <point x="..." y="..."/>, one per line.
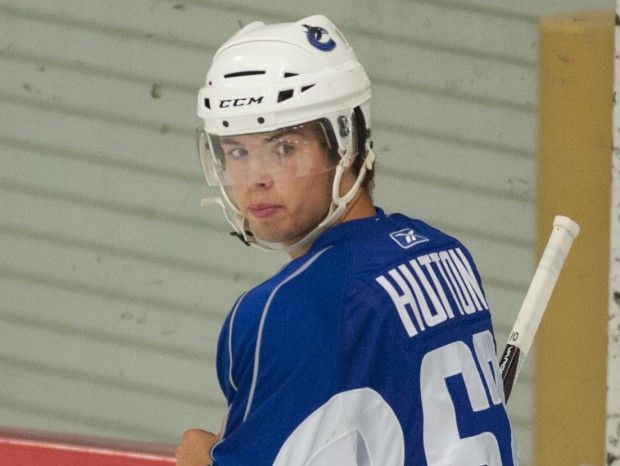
<point x="319" y="38"/>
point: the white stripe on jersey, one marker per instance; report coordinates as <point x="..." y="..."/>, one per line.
<point x="355" y="427"/>
<point x="230" y="330"/>
<point x="261" y="326"/>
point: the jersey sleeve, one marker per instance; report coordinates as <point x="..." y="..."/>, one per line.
<point x="223" y="359"/>
<point x="288" y="365"/>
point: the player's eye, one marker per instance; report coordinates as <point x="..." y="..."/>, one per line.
<point x="284" y="148"/>
<point x="236" y="152"/>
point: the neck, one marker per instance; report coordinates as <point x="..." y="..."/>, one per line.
<point x="360" y="207"/>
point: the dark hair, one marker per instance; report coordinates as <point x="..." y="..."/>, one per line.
<point x="363" y="136"/>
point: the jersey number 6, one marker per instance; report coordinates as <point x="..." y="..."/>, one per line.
<point x="442" y="443"/>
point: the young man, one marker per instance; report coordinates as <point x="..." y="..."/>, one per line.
<point x="374" y="345"/>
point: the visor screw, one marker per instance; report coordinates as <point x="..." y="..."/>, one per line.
<point x="343" y="124"/>
<point x="261" y="120"/>
<point x="225" y="123"/>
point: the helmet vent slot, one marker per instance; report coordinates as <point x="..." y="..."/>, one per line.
<point x="290" y="75"/>
<point x="285" y="95"/>
<point x="239" y="74"/>
<point x="305" y="88"/>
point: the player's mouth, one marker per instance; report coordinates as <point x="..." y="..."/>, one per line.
<point x="264" y="210"/>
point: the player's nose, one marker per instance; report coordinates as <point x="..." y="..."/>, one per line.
<point x="260" y="174"/>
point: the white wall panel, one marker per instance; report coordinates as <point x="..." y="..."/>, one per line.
<point x="524" y="9"/>
<point x="32" y="126"/>
<point x="454" y="163"/>
<point x="500" y="127"/>
<point x="111" y="318"/>
<point x="106" y="404"/>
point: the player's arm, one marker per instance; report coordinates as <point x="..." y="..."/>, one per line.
<point x="195" y="448"/>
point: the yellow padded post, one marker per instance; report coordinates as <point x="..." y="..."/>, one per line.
<point x="574" y="176"/>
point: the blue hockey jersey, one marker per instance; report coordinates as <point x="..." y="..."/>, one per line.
<point x="374" y="348"/>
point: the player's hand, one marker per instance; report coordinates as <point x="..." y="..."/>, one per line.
<point x="195" y="448"/>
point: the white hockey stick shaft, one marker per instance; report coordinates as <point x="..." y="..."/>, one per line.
<point x="524" y="329"/>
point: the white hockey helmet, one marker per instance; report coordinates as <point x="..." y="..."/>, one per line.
<point x="265" y="78"/>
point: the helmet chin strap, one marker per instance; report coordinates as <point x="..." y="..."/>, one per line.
<point x="339" y="203"/>
<point x="237" y="222"/>
<point x="336" y="210"/>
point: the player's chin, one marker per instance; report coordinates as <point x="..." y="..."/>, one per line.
<point x="273" y="232"/>
<point x="269" y="235"/>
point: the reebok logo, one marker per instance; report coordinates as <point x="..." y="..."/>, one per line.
<point x="407" y="238"/>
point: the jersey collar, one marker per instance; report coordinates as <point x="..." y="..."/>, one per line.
<point x="346" y="231"/>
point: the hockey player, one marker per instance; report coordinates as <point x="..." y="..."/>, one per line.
<point x="374" y="344"/>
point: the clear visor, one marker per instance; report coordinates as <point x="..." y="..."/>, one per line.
<point x="256" y="158"/>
